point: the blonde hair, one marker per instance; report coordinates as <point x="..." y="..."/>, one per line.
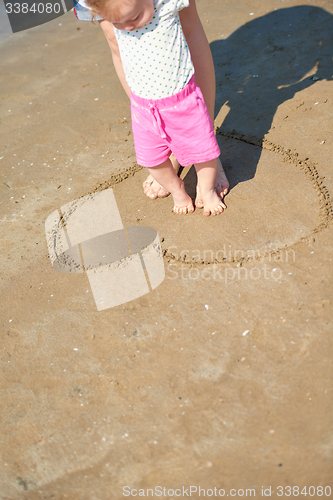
<point x="98" y="5"/>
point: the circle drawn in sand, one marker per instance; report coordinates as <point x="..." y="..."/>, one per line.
<point x="272" y="205"/>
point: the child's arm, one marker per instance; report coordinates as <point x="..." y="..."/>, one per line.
<point x="200" y="54"/>
<point x="108" y="31"/>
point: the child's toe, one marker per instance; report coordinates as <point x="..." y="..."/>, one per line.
<point x="214" y="211"/>
<point x="219" y="210"/>
<point x="183" y="210"/>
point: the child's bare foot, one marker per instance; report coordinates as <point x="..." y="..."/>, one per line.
<point x="153" y="189"/>
<point x="183" y="203"/>
<point x="212" y="203"/>
<point x="221" y="186"/>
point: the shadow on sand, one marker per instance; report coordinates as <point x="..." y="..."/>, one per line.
<point x="263" y="64"/>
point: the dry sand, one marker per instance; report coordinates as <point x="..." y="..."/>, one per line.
<point x="222" y="376"/>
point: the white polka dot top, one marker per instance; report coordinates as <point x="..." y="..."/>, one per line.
<point x="156" y="59"/>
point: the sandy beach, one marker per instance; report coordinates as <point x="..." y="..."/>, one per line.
<point x="221" y="376"/>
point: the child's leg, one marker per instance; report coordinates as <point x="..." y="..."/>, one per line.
<point x="205" y="77"/>
<point x="206" y="173"/>
<point x="166" y="176"/>
<point x="153" y="189"/>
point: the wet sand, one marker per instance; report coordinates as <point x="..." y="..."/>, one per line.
<point x="221" y="377"/>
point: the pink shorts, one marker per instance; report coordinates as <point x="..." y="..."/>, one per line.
<point x="179" y="124"/>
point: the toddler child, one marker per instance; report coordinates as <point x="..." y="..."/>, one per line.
<point x="168" y="110"/>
